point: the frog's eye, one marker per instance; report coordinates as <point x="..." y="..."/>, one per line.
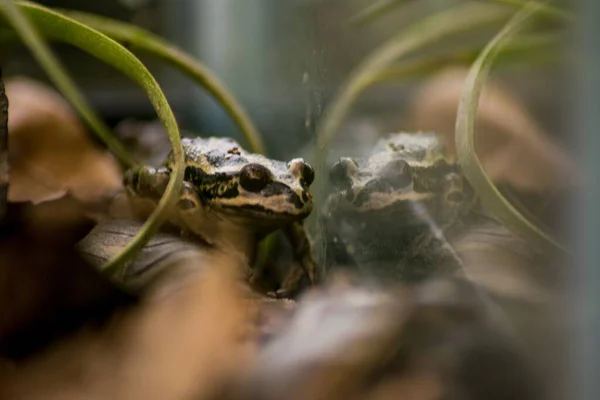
<point x="398" y="174"/>
<point x="254" y="177"/>
<point x="308" y="174"/>
<point x="340" y="172"/>
<point x="301" y="170"/>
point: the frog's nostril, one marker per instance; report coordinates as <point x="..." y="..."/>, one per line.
<point x="350" y="195"/>
<point x="379" y="185"/>
<point x="131" y="179"/>
<point x="301" y="170"/>
<point x="306" y="196"/>
<point x="186" y="204"/>
<point x="340" y="172"/>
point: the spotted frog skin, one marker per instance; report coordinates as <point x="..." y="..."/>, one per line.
<point x="231" y="199"/>
<point x="388" y="213"/>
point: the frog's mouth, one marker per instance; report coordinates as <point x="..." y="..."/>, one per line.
<point x="369" y="201"/>
<point x="274" y="202"/>
<point x="260" y="212"/>
<point x="404" y="207"/>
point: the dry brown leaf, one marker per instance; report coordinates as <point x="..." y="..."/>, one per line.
<point x="176" y="346"/>
<point x="50" y="152"/>
<point x="510" y="144"/>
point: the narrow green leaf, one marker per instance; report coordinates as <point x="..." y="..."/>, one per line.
<point x="529" y="48"/>
<point x="375" y="10"/>
<point x="63" y="82"/>
<point x="137" y="38"/>
<point x="99" y="45"/>
<point x="380" y="7"/>
<point x="465" y="142"/>
<point x="543" y="9"/>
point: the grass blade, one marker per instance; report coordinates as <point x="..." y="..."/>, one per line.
<point x="375" y="10"/>
<point x="59" y="77"/>
<point x="109" y="51"/>
<point x="379" y="7"/>
<point x="543" y="9"/>
<point x="465" y="144"/>
<point x="534" y="46"/>
<point x="140" y="39"/>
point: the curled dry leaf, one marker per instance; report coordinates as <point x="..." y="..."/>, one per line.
<point x="50" y="151"/>
<point x="178" y="346"/>
<point x="512" y="147"/>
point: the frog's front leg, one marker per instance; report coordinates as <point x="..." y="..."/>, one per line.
<point x="431" y="255"/>
<point x="303" y="260"/>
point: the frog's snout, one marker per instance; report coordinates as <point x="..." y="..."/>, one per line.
<point x="130" y="178"/>
<point x="301" y="171"/>
<point x="306" y="196"/>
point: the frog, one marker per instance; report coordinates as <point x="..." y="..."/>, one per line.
<point x="231" y="199"/>
<point x="389" y="213"/>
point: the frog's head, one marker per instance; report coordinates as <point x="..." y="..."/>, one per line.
<point x="408" y="174"/>
<point x="224" y="179"/>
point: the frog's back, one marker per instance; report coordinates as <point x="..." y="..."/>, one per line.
<point x="417" y="147"/>
<point x="221" y="154"/>
<point x="211" y="150"/>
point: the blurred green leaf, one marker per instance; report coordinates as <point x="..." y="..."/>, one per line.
<point x="465" y="143"/>
<point x="375" y="10"/>
<point x="537" y="46"/>
<point x="543" y="9"/>
<point x="380" y="7"/>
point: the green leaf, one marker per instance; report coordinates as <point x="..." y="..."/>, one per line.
<point x="380" y="7"/>
<point x="543" y="9"/>
<point x="465" y="142"/>
<point x="140" y="39"/>
<point x="533" y="47"/>
<point x="62" y="81"/>
<point x="375" y="10"/>
<point x="99" y="45"/>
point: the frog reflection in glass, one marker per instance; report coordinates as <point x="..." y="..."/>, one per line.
<point x="231" y="199"/>
<point x="388" y="213"/>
